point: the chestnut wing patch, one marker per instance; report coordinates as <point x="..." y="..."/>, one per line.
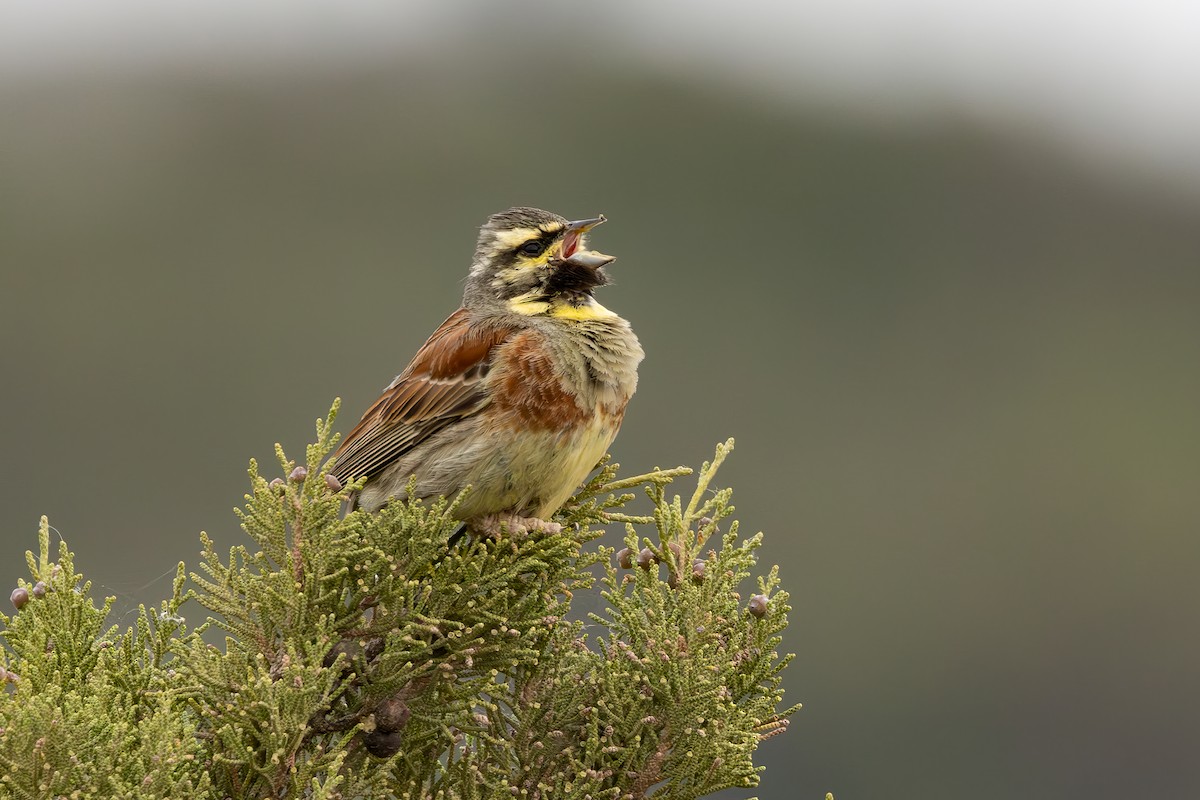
<point x="444" y="383"/>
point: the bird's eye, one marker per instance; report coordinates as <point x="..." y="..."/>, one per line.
<point x="533" y="248"/>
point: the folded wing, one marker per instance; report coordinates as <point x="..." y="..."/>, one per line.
<point x="443" y="384"/>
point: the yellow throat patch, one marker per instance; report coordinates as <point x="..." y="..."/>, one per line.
<point x="559" y="309"/>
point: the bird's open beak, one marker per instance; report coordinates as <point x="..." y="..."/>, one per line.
<point x="585" y="225"/>
<point x="571" y="254"/>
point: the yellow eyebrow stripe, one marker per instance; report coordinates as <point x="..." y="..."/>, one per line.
<point x="515" y="237"/>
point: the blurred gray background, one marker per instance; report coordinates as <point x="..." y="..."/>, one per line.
<point x="935" y="265"/>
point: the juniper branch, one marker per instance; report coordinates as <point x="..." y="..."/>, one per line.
<point x="379" y="655"/>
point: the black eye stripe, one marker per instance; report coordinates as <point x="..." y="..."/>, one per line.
<point x="545" y="239"/>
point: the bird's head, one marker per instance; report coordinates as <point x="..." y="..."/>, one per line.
<point x="528" y="259"/>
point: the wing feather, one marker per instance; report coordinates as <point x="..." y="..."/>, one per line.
<point x="443" y="383"/>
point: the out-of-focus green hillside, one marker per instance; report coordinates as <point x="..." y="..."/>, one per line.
<point x="963" y="375"/>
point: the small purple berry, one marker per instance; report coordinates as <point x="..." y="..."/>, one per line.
<point x="625" y="558"/>
<point x="391" y="715"/>
<point x="383" y="744"/>
<point x="298" y="475"/>
<point x="758" y="605"/>
<point x="39" y="589"/>
<point x="332" y="482"/>
<point x="645" y="558"/>
<point x="19" y="597"/>
<point x="675" y="549"/>
<point x="276" y="484"/>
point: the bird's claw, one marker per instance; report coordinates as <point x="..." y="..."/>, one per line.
<point x="494" y="526"/>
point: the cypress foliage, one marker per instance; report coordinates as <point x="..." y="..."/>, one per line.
<point x="390" y="656"/>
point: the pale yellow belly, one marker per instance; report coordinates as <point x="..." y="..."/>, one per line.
<point x="534" y="473"/>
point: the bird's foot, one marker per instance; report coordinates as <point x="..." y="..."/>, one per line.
<point x="494" y="526"/>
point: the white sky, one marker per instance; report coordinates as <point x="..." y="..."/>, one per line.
<point x="1118" y="78"/>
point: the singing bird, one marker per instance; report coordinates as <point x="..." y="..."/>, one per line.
<point x="519" y="392"/>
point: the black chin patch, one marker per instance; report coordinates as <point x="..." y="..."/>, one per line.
<point x="569" y="278"/>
